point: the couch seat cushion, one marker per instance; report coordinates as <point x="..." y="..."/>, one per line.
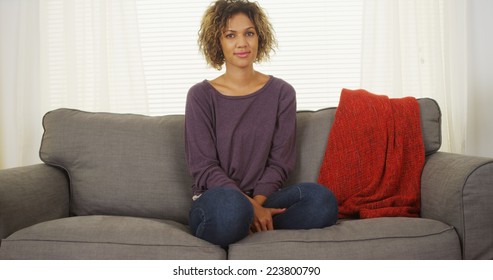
<point x="380" y="238"/>
<point x="108" y="237"/>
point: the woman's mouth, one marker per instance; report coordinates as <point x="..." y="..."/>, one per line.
<point x="242" y="54"/>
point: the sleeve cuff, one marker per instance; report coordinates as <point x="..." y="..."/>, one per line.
<point x="265" y="190"/>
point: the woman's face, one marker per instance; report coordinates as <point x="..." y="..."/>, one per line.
<point x="239" y="42"/>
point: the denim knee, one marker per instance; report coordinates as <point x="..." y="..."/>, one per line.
<point x="322" y="200"/>
<point x="221" y="216"/>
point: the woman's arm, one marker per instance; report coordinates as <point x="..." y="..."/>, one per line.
<point x="282" y="156"/>
<point x="200" y="148"/>
<point x="281" y="161"/>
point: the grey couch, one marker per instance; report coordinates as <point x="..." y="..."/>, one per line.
<point x="115" y="186"/>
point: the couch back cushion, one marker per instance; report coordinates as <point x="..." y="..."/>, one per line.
<point x="120" y="164"/>
<point x="134" y="165"/>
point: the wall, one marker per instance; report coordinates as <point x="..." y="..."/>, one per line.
<point x="480" y="79"/>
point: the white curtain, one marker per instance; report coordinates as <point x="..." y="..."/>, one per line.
<point x="418" y="48"/>
<point x="92" y="58"/>
<point x="88" y="55"/>
<point x="89" y="60"/>
<point x="20" y="110"/>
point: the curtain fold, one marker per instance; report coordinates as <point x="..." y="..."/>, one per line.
<point x="418" y="48"/>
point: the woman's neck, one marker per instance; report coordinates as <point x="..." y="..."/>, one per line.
<point x="240" y="77"/>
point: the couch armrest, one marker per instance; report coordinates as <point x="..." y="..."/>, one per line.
<point x="30" y="195"/>
<point x="458" y="190"/>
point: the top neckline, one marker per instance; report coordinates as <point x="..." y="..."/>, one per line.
<point x="249" y="95"/>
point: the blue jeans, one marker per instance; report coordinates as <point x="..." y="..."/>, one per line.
<point x="223" y="216"/>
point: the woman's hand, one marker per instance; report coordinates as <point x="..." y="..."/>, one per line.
<point x="262" y="220"/>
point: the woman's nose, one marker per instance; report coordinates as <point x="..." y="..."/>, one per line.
<point x="242" y="41"/>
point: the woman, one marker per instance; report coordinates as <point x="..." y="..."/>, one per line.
<point x="240" y="132"/>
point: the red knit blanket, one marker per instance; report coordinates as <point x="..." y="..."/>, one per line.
<point x="374" y="156"/>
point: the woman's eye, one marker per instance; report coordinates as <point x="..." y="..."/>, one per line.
<point x="229" y="36"/>
<point x="250" y="34"/>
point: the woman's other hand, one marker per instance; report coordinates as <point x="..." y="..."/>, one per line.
<point x="262" y="217"/>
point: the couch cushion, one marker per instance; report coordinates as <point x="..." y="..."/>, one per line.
<point x="431" y="121"/>
<point x="108" y="237"/>
<point x="313" y="131"/>
<point x="380" y="238"/>
<point x="120" y="164"/>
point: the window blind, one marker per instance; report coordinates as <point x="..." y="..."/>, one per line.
<point x="319" y="51"/>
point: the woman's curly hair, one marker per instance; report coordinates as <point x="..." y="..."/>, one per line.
<point x="215" y="20"/>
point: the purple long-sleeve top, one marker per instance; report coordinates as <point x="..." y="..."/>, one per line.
<point x="241" y="142"/>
